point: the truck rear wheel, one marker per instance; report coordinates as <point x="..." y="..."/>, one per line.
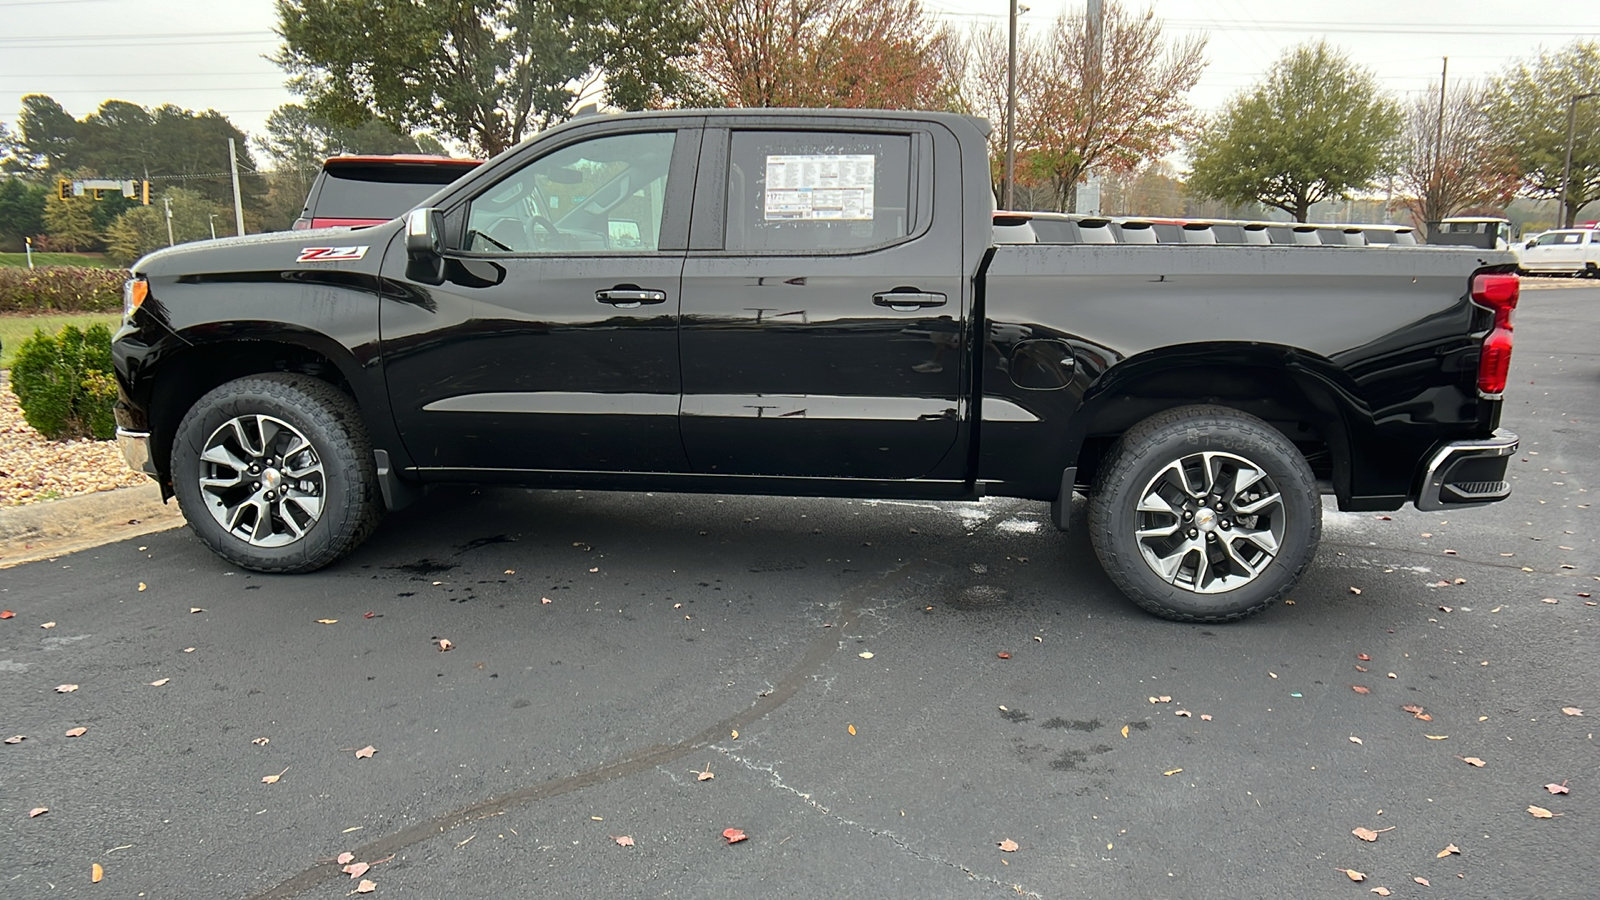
<point x="275" y="473"/>
<point x="1205" y="514"/>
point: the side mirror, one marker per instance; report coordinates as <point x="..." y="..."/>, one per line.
<point x="424" y="228"/>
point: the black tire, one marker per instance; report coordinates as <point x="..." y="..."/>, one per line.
<point x="1153" y="464"/>
<point x="287" y="538"/>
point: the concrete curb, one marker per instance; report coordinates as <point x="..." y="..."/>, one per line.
<point x="54" y="527"/>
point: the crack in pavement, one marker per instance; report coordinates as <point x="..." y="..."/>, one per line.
<point x="643" y="759"/>
<point x="776" y="780"/>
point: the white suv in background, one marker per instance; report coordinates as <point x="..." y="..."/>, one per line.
<point x="1565" y="251"/>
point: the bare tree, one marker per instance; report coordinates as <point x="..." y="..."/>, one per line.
<point x="983" y="93"/>
<point x="829" y="53"/>
<point x="1115" y="106"/>
<point x="1469" y="167"/>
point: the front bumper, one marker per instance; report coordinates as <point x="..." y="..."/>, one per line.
<point x="135" y="447"/>
<point x="1468" y="473"/>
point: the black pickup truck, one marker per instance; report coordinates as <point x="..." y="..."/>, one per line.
<point x="811" y="303"/>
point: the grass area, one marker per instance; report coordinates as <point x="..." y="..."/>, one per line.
<point x="16" y="329"/>
<point x="57" y="259"/>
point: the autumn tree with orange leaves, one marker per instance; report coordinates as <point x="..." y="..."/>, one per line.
<point x="886" y="54"/>
<point x="1469" y="168"/>
<point x="1117" y="109"/>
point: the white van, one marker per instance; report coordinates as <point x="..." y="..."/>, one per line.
<point x="1565" y="251"/>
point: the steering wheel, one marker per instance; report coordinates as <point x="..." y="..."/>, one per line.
<point x="557" y="238"/>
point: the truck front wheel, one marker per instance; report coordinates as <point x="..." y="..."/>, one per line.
<point x="275" y="473"/>
<point x="1205" y="514"/>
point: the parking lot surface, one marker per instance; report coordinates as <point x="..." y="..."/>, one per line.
<point x="877" y="694"/>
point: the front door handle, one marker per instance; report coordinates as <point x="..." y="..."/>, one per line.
<point x="630" y="296"/>
<point x="904" y="299"/>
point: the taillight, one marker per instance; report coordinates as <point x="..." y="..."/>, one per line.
<point x="300" y="225"/>
<point x="1497" y="293"/>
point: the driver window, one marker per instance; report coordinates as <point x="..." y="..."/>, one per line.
<point x="601" y="195"/>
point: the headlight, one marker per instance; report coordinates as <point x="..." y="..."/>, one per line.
<point x="134" y="290"/>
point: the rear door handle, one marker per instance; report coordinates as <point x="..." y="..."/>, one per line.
<point x="905" y="299"/>
<point x="630" y="296"/>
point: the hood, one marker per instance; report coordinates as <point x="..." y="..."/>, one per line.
<point x="274" y="251"/>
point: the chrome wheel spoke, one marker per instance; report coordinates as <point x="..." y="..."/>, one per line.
<point x="1255" y="507"/>
<point x="1169" y="566"/>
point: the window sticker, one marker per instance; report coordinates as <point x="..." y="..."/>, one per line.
<point x="823" y="187"/>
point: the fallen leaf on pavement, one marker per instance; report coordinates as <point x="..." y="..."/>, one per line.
<point x="1124" y="731"/>
<point x="1354" y="739"/>
<point x="16" y="739"/>
<point x="734" y="835"/>
<point x="1422" y="881"/>
<point x="326" y="621"/>
<point x="1549" y="600"/>
<point x="1353" y="875"/>
<point x="1003" y="655"/>
<point x="1382" y="891"/>
<point x="623" y="840"/>
<point x="366" y="887"/>
<point x="188" y="649"/>
<point x="1368" y="835"/>
<point x="1437" y="737"/>
<point x="1205" y="717"/>
<point x="1557" y="788"/>
<point x="706" y="775"/>
<point x="356" y="869"/>
<point x="1363" y="657"/>
<point x="38" y="811"/>
<point x="1355" y="590"/>
<point x="345" y="857"/>
<point x="48" y="625"/>
<point x="1170" y="772"/>
<point x="261" y="741"/>
<point x="1472" y="761"/>
<point x="66" y="688"/>
<point x="1448" y="849"/>
<point x="1182" y="712"/>
<point x="444" y="644"/>
<point x="80" y="731"/>
<point x="366" y="752"/>
<point x="1008" y="845"/>
<point x="95" y="871"/>
<point x="1539" y="812"/>
<point x="1360" y="689"/>
<point x="851" y="728"/>
<point x="273" y="779"/>
<point x="7" y="614"/>
<point x="159" y="682"/>
<point x="141" y="586"/>
<point x="865" y="654"/>
<point x="1361" y="668"/>
<point x="195" y="609"/>
<point x="1572" y="710"/>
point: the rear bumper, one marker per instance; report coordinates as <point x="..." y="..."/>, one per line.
<point x="1467" y="473"/>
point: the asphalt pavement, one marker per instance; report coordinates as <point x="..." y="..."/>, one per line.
<point x="877" y="694"/>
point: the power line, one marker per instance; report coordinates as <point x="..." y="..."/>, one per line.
<point x="125" y="38"/>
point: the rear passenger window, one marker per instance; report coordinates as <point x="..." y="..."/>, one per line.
<point x="813" y="191"/>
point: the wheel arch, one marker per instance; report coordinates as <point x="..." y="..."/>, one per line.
<point x="1306" y="397"/>
<point x="206" y="361"/>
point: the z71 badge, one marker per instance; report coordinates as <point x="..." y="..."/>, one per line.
<point x="329" y="254"/>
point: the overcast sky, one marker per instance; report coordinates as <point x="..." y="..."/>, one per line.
<point x="212" y="54"/>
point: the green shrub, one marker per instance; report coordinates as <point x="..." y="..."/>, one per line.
<point x="65" y="385"/>
<point x="60" y="289"/>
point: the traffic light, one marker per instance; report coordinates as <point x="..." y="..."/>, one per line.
<point x="63" y="188"/>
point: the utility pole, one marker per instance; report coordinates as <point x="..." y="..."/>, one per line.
<point x="1094" y="21"/>
<point x="1438" y="141"/>
<point x="1566" y="167"/>
<point x="238" y="209"/>
<point x="167" y="201"/>
<point x="1011" y="115"/>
